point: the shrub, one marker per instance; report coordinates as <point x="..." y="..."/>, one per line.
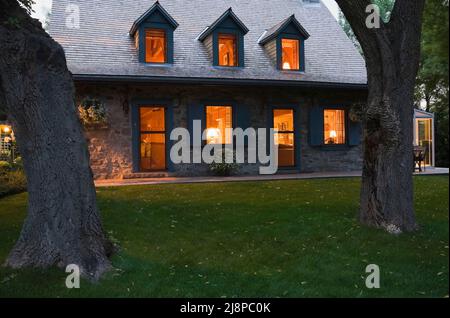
<point x="12" y="178"/>
<point x="220" y="168"/>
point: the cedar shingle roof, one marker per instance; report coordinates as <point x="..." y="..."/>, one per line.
<point x="103" y="47"/>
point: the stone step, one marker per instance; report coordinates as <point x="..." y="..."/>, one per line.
<point x="146" y="175"/>
<point x="288" y="171"/>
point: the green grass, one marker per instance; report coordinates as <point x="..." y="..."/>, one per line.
<point x="250" y="239"/>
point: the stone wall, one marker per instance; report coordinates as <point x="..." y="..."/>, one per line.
<point x="111" y="146"/>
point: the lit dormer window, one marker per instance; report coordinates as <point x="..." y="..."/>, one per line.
<point x="290" y="54"/>
<point x="224" y="40"/>
<point x="153" y="33"/>
<point x="228" y="50"/>
<point x="285" y="44"/>
<point x="155" y="46"/>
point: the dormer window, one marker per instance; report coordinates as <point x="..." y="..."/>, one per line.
<point x="290" y="59"/>
<point x="224" y="40"/>
<point x="285" y="45"/>
<point x="155" y="46"/>
<point x="228" y="50"/>
<point x="153" y="34"/>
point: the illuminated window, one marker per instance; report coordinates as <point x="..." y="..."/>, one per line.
<point x="219" y="124"/>
<point x="152" y="138"/>
<point x="228" y="50"/>
<point x="155" y="46"/>
<point x="283" y="123"/>
<point x="290" y="54"/>
<point x="334" y="126"/>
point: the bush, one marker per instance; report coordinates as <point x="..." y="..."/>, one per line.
<point x="220" y="167"/>
<point x="12" y="178"/>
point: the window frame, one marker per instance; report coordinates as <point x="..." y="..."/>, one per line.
<point x="301" y="53"/>
<point x="205" y="114"/>
<point x="239" y="47"/>
<point x="169" y="30"/>
<point x="346" y="127"/>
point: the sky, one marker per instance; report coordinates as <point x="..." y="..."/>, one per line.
<point x="42" y="7"/>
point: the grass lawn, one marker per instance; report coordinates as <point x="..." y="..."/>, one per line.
<point x="249" y="239"/>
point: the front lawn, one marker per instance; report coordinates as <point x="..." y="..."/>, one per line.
<point x="249" y="239"/>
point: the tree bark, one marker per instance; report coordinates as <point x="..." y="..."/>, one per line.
<point x="62" y="226"/>
<point x="392" y="54"/>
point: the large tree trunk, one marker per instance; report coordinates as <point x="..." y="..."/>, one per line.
<point x="63" y="224"/>
<point x="392" y="54"/>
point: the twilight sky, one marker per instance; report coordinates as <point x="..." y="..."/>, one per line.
<point x="42" y="7"/>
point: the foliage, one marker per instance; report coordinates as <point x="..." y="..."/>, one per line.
<point x="385" y="13"/>
<point x="249" y="239"/>
<point x="432" y="87"/>
<point x="220" y="167"/>
<point x="12" y="177"/>
<point x="92" y="111"/>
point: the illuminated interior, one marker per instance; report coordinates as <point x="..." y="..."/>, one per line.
<point x="219" y="124"/>
<point x="334" y="126"/>
<point x="155" y="46"/>
<point x="6" y="139"/>
<point x="152" y="138"/>
<point x="424" y="138"/>
<point x="283" y="121"/>
<point x="290" y="54"/>
<point x="227" y="50"/>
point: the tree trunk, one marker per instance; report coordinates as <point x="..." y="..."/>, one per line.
<point x="62" y="226"/>
<point x="392" y="54"/>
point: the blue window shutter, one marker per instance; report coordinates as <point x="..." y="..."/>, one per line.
<point x="243" y="119"/>
<point x="196" y="112"/>
<point x="316" y="126"/>
<point x="135" y="137"/>
<point x="354" y="133"/>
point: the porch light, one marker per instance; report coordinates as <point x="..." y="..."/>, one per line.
<point x="6" y="129"/>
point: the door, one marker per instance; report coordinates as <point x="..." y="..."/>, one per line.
<point x="152" y="136"/>
<point x="283" y="123"/>
<point x="424" y="138"/>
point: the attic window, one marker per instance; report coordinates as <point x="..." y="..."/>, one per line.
<point x="228" y="51"/>
<point x="155" y="46"/>
<point x="224" y="40"/>
<point x="153" y="35"/>
<point x="290" y="54"/>
<point x="285" y="44"/>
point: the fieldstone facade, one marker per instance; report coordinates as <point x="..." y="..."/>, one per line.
<point x="111" y="146"/>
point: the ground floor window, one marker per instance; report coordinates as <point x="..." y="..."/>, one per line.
<point x="152" y="138"/>
<point x="219" y="122"/>
<point x="334" y="126"/>
<point x="283" y="123"/>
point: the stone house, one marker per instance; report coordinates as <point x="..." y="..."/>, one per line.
<point x="151" y="67"/>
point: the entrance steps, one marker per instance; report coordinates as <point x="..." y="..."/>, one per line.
<point x="146" y="175"/>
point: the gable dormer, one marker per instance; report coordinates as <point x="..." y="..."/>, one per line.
<point x="285" y="44"/>
<point x="153" y="35"/>
<point x="224" y="40"/>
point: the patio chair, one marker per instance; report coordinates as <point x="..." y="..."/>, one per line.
<point x="419" y="154"/>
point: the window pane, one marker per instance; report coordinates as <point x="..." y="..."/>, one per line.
<point x="283" y="122"/>
<point x="290" y="54"/>
<point x="227" y="50"/>
<point x="155" y="45"/>
<point x="152" y="119"/>
<point x="219" y="124"/>
<point x="334" y="126"/>
<point x="425" y="138"/>
<point x="153" y="152"/>
<point x="283" y="119"/>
